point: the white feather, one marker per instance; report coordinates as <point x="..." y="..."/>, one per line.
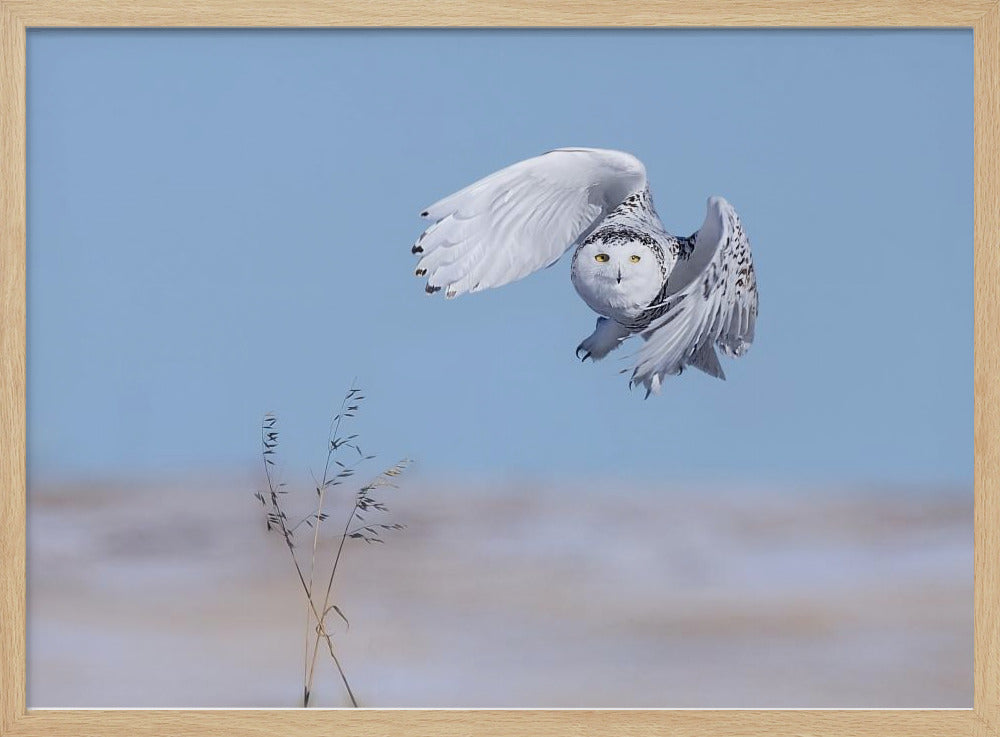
<point x="522" y="218"/>
<point x="712" y="297"/>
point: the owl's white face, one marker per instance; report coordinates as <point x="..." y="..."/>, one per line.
<point x="617" y="280"/>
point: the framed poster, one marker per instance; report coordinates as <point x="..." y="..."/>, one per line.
<point x="228" y="333"/>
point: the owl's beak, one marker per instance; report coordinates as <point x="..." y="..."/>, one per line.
<point x="619" y="274"/>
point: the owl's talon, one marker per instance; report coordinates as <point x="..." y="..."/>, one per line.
<point x="607" y="336"/>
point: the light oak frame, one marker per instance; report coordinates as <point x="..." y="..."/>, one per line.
<point x="16" y="16"/>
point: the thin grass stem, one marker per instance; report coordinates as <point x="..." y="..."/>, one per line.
<point x="369" y="531"/>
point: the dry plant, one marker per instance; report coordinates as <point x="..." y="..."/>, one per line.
<point x="358" y="527"/>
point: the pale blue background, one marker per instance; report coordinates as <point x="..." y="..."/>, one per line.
<point x="219" y="224"/>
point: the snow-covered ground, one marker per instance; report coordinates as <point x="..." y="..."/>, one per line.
<point x="509" y="594"/>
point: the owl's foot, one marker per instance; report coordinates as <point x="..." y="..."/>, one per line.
<point x="607" y="336"/>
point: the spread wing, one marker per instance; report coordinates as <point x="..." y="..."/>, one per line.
<point x="711" y="298"/>
<point x="522" y="218"/>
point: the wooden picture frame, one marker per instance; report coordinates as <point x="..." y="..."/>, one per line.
<point x="16" y="16"/>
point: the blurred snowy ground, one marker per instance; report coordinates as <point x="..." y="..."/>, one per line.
<point x="509" y="595"/>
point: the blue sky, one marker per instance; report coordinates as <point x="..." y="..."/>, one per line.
<point x="219" y="225"/>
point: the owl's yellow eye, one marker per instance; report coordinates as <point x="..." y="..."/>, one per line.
<point x="602" y="258"/>
<point x="635" y="259"/>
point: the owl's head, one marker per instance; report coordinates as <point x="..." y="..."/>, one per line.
<point x="620" y="274"/>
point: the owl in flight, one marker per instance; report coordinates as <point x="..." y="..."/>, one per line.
<point x="683" y="296"/>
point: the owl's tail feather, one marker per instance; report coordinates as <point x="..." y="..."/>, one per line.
<point x="707" y="360"/>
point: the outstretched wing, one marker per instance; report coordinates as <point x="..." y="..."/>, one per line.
<point x="522" y="218"/>
<point x="711" y="297"/>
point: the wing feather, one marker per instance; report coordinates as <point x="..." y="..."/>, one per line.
<point x="522" y="218"/>
<point x="711" y="298"/>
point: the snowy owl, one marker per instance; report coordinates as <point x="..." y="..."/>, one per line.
<point x="683" y="296"/>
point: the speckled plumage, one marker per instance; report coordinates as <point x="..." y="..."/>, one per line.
<point x="683" y="295"/>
